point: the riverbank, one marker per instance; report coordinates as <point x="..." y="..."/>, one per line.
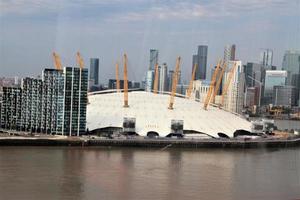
<point x="150" y="143"/>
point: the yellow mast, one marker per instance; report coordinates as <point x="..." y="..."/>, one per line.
<point x="174" y="84"/>
<point x="189" y="92"/>
<point x="224" y="66"/>
<point x="57" y="61"/>
<point x="231" y="73"/>
<point x="125" y="83"/>
<point x="117" y="77"/>
<point x="211" y="86"/>
<point x="155" y="86"/>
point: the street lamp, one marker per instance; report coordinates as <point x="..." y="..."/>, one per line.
<point x="260" y="86"/>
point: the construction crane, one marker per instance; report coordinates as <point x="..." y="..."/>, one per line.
<point x="212" y="86"/>
<point x="57" y="61"/>
<point x="189" y="92"/>
<point x="117" y="77"/>
<point x="227" y="84"/>
<point x="174" y="84"/>
<point x="125" y="83"/>
<point x="155" y="85"/>
<point x="219" y="82"/>
<point x="79" y="60"/>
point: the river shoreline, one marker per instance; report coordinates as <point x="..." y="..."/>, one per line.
<point x="151" y="143"/>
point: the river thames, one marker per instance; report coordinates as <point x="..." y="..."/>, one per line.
<point x="130" y="173"/>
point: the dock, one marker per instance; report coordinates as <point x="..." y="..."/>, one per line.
<point x="152" y="143"/>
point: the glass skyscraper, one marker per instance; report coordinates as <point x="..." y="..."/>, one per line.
<point x="201" y="60"/>
<point x="94" y="70"/>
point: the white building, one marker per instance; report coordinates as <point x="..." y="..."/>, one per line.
<point x="150" y="113"/>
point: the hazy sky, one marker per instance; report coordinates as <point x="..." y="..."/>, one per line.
<point x="30" y="30"/>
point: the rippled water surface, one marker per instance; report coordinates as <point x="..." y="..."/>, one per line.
<point x="100" y="173"/>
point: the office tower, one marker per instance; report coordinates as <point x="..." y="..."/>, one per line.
<point x="273" y="78"/>
<point x="291" y="63"/>
<point x="153" y="59"/>
<point x="284" y="95"/>
<point x="255" y="74"/>
<point x="163" y="78"/>
<point x="201" y="60"/>
<point x="94" y="71"/>
<point x="266" y="58"/>
<point x="229" y="53"/>
<point x="170" y="80"/>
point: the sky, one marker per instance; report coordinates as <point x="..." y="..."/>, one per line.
<point x="30" y="30"/>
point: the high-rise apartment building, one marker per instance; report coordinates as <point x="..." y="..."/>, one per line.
<point x="11" y="108"/>
<point x="94" y="71"/>
<point x="201" y="60"/>
<point x="56" y="104"/>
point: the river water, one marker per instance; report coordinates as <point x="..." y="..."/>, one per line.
<point x="101" y="173"/>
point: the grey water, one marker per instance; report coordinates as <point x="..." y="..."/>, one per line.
<point x="130" y="173"/>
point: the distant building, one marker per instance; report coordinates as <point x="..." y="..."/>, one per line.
<point x="149" y="80"/>
<point x="201" y="60"/>
<point x="273" y="78"/>
<point x="266" y="58"/>
<point x="234" y="99"/>
<point x="250" y="101"/>
<point x="255" y="73"/>
<point x="170" y="80"/>
<point x="229" y="53"/>
<point x="284" y="95"/>
<point x="163" y="78"/>
<point x="153" y="58"/>
<point x="94" y="70"/>
<point x="181" y="89"/>
<point x="112" y="84"/>
<point x="291" y="63"/>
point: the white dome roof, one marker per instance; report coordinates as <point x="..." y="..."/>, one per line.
<point x="152" y="114"/>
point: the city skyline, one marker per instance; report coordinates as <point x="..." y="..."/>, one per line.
<point x="107" y="29"/>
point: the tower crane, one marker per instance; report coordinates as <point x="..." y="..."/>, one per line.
<point x="117" y="77"/>
<point x="219" y="82"/>
<point x="189" y="92"/>
<point x="174" y="84"/>
<point x="212" y="86"/>
<point x="57" y="61"/>
<point x="231" y="73"/>
<point x="155" y="85"/>
<point x="125" y="83"/>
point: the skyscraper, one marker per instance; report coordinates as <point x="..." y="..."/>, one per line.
<point x="229" y="53"/>
<point x="291" y="63"/>
<point x="56" y="104"/>
<point x="153" y="58"/>
<point x="94" y="70"/>
<point x="273" y="78"/>
<point x="266" y="58"/>
<point x="163" y="78"/>
<point x="201" y="60"/>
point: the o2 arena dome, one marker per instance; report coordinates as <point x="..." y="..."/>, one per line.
<point x="148" y="114"/>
